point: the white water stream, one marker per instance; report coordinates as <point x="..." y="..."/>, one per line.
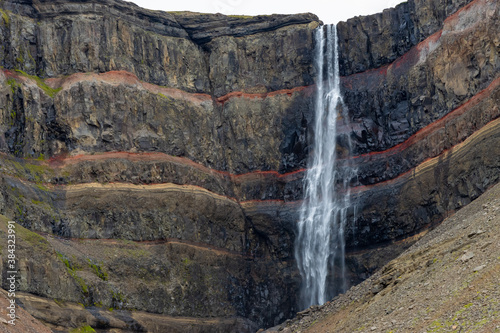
<point x="320" y="243"/>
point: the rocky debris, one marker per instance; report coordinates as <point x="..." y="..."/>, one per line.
<point x="478" y="268"/>
<point x="467" y="256"/>
<point x="475" y="233"/>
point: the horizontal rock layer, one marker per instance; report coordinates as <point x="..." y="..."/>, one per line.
<point x="116" y="112"/>
<point x="170" y="278"/>
<point x="389" y="104"/>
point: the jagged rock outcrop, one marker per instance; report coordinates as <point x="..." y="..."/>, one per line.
<point x="160" y="156"/>
<point x="368" y="42"/>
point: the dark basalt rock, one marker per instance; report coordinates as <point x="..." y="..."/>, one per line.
<point x="202" y="28"/>
<point x="367" y="42"/>
<point x="389" y="104"/>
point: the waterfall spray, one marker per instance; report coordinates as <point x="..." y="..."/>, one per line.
<point x="320" y="243"/>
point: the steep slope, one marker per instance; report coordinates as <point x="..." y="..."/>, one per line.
<point x="445" y="282"/>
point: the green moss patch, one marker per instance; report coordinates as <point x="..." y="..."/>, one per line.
<point x="13" y="85"/>
<point x="72" y="268"/>
<point x="40" y="83"/>
<point x="83" y="329"/>
<point x="98" y="270"/>
<point x="5" y="17"/>
<point x="244" y="17"/>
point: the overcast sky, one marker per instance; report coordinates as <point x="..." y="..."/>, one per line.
<point x="329" y="11"/>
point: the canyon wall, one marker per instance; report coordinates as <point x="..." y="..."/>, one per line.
<point x="156" y="159"/>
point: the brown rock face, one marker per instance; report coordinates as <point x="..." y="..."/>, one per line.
<point x="159" y="157"/>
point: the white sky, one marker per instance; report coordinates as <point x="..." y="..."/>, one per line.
<point x="329" y="11"/>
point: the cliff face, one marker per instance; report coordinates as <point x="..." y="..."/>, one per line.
<point x="156" y="66"/>
<point x="126" y="124"/>
<point x="161" y="155"/>
<point x="425" y="126"/>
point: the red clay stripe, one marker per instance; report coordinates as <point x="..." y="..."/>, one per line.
<point x="61" y="161"/>
<point x="123" y="76"/>
<point x="438" y="124"/>
<point x="241" y="94"/>
<point x="58" y="161"/>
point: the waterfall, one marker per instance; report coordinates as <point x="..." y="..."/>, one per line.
<point x="320" y="243"/>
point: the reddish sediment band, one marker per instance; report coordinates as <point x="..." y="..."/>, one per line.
<point x="270" y="202"/>
<point x="166" y="241"/>
<point x="431" y="128"/>
<point x="124" y="77"/>
<point x="289" y="92"/>
<point x="428" y="163"/>
<point x="491" y="127"/>
<point x="127" y="78"/>
<point x="58" y="162"/>
<point x="412" y="173"/>
<point x="61" y="161"/>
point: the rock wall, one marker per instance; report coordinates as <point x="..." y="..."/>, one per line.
<point x="121" y="123"/>
<point x="415" y="124"/>
<point x="161" y="155"/>
<point x="367" y="42"/>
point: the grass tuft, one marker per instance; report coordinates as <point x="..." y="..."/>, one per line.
<point x="40" y="83"/>
<point x="83" y="329"/>
<point x="5" y="17"/>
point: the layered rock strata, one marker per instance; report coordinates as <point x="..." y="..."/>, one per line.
<point x="181" y="140"/>
<point x="143" y="123"/>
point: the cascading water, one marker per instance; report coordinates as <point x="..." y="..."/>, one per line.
<point x="320" y="243"/>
